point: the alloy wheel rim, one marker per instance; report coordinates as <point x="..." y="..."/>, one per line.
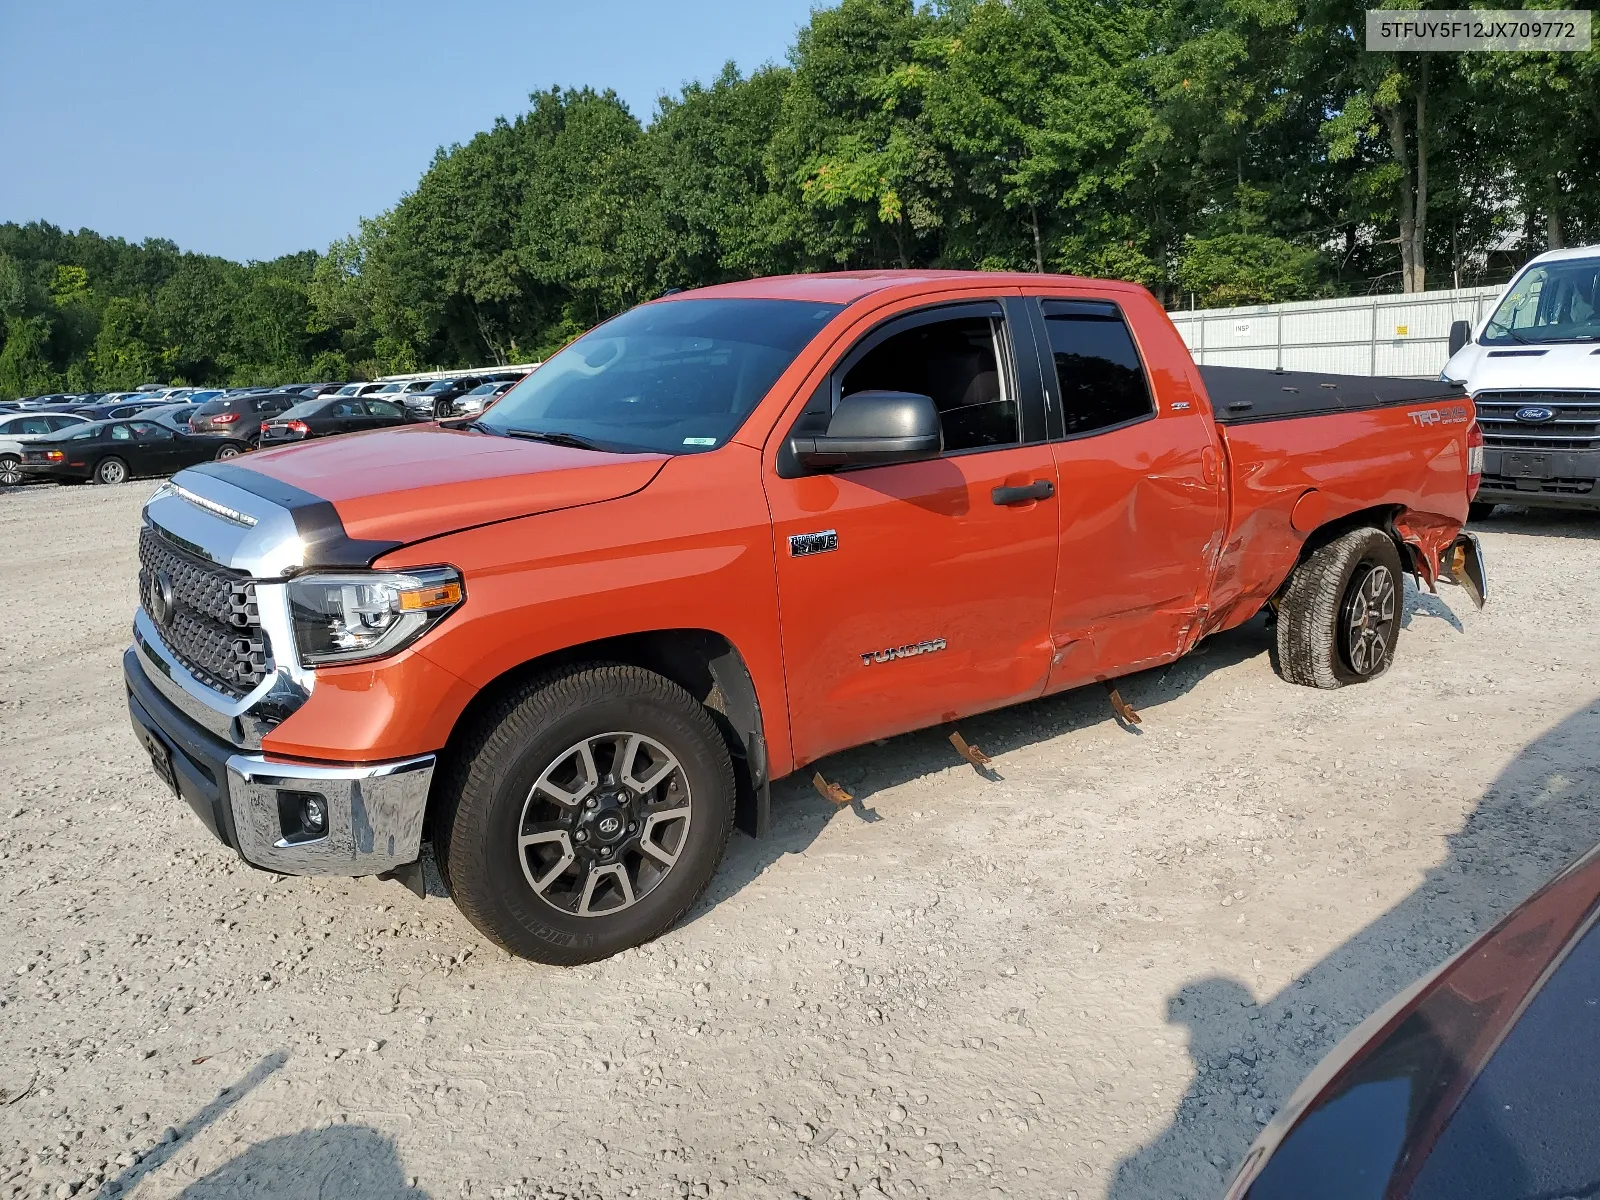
<point x="10" y="472"/>
<point x="1369" y="620"/>
<point x="112" y="473"/>
<point x="604" y="824"/>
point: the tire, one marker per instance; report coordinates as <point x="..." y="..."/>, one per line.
<point x="111" y="470"/>
<point x="10" y="470"/>
<point x="441" y="409"/>
<point x="1480" y="511"/>
<point x="227" y="452"/>
<point x="501" y="784"/>
<point x="1354" y="583"/>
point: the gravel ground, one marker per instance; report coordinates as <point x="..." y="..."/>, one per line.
<point x="1094" y="973"/>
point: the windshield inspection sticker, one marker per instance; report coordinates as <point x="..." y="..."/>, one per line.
<point x="699" y="441"/>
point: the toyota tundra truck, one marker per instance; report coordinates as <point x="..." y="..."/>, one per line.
<point x="569" y="643"/>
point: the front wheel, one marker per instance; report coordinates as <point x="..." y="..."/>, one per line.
<point x="1477" y="511"/>
<point x="585" y="814"/>
<point x="10" y="470"/>
<point x="111" y="470"/>
<point x="1339" y="615"/>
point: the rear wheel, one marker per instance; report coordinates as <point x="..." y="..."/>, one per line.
<point x="10" y="470"/>
<point x="111" y="470"/>
<point x="227" y="452"/>
<point x="1339" y="615"/>
<point x="585" y="814"/>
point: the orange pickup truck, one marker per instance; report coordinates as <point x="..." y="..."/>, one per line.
<point x="570" y="642"/>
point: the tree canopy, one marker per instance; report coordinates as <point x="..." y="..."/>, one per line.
<point x="1217" y="151"/>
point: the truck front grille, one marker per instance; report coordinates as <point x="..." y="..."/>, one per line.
<point x="1575" y="424"/>
<point x="206" y="615"/>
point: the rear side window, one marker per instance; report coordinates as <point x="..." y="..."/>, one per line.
<point x="382" y="408"/>
<point x="63" y="422"/>
<point x="1098" y="370"/>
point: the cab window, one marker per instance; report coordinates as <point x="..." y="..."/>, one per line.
<point x="1097" y="367"/>
<point x="959" y="361"/>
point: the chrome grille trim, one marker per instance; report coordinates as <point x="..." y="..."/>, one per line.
<point x="1574" y="426"/>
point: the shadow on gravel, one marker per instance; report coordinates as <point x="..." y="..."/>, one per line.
<point x="1539" y="814"/>
<point x="1547" y="522"/>
<point x="179" y="1137"/>
<point x="340" y="1162"/>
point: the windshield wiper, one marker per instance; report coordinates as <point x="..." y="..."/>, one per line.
<point x="554" y="438"/>
<point x="1511" y="333"/>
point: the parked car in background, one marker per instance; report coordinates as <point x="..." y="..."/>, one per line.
<point x="1531" y="369"/>
<point x="332" y="414"/>
<point x="202" y="395"/>
<point x="314" y="390"/>
<point x="401" y="392"/>
<point x="241" y="416"/>
<point x="480" y="397"/>
<point x="359" y="389"/>
<point x="115" y="412"/>
<point x="116" y="451"/>
<point x="173" y="416"/>
<point x="1480" y="1080"/>
<point x="20" y="429"/>
<point x="439" y="397"/>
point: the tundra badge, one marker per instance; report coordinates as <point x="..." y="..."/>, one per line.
<point x="802" y="544"/>
<point x="894" y="652"/>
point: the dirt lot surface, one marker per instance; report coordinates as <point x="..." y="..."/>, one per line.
<point x="1094" y="974"/>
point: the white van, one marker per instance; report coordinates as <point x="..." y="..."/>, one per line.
<point x="1533" y="368"/>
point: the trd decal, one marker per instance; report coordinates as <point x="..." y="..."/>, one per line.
<point x="1452" y="414"/>
<point x="894" y="652"/>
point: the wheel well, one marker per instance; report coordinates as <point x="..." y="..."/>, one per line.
<point x="705" y="664"/>
<point x="1381" y="517"/>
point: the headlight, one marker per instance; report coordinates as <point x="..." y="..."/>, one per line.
<point x="368" y="614"/>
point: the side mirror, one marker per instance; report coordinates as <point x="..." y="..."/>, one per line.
<point x="874" y="429"/>
<point x="1460" y="335"/>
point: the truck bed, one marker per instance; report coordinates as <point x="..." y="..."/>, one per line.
<point x="1240" y="395"/>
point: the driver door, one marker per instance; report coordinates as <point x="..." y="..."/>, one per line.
<point x="919" y="592"/>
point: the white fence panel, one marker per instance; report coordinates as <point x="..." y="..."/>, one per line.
<point x="1356" y="335"/>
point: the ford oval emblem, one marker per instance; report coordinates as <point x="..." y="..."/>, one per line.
<point x="1535" y="414"/>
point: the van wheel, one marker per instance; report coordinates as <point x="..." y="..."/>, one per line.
<point x="111" y="470"/>
<point x="585" y="813"/>
<point x="1339" y="616"/>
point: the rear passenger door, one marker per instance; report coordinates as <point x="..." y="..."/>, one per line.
<point x="919" y="592"/>
<point x="1140" y="501"/>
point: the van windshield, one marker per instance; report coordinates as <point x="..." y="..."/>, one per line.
<point x="1552" y="302"/>
<point x="674" y="377"/>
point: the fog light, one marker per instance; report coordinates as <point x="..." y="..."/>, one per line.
<point x="314" y="813"/>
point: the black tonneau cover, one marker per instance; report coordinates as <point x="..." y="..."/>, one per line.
<point x="1243" y="394"/>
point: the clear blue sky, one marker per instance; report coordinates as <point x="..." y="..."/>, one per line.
<point x="251" y="128"/>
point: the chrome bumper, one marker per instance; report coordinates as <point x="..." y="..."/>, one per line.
<point x="374" y="814"/>
<point x="374" y="811"/>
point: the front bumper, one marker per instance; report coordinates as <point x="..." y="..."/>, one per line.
<point x="374" y="810"/>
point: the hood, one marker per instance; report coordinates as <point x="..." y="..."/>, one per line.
<point x="1569" y="366"/>
<point x="414" y="482"/>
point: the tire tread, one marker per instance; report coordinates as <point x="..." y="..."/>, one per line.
<point x="468" y="786"/>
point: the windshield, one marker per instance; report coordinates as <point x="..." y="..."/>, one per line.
<point x="483" y="389"/>
<point x="304" y="409"/>
<point x="1552" y="302"/>
<point x="675" y="377"/>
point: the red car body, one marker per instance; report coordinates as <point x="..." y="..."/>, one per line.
<point x="1158" y="534"/>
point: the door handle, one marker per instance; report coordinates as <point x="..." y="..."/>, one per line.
<point x="1039" y="489"/>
